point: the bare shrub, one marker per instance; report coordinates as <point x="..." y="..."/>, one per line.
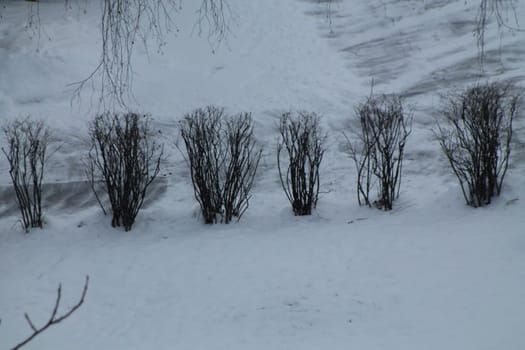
<point x="54" y="318"/>
<point x="476" y="138"/>
<point x="223" y="159"/>
<point x="27" y="142"/>
<point x="201" y="131"/>
<point x="303" y="140"/>
<point x="241" y="166"/>
<point x="125" y="155"/>
<point x="378" y="152"/>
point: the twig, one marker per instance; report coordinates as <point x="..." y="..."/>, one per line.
<point x="53" y="319"/>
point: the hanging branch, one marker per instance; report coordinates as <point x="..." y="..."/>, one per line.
<point x="495" y="8"/>
<point x="123" y="23"/>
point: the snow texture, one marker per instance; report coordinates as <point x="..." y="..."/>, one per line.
<point x="431" y="274"/>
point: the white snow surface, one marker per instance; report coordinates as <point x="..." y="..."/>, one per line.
<point x="431" y="274"/>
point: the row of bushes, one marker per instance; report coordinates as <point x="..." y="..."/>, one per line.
<point x="223" y="156"/>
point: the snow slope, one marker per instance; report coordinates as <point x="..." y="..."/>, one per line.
<point x="432" y="274"/>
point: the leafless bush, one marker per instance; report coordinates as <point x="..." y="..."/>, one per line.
<point x="378" y="153"/>
<point x="241" y="167"/>
<point x="27" y="141"/>
<point x="125" y="155"/>
<point x="476" y="139"/>
<point x="303" y="140"/>
<point x="223" y="160"/>
<point x="201" y="132"/>
<point x="54" y="318"/>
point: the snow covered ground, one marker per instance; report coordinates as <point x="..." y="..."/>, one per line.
<point x="431" y="274"/>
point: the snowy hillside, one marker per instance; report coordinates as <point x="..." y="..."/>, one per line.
<point x="431" y="274"/>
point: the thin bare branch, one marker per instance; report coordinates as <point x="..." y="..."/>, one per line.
<point x="496" y="9"/>
<point x="53" y="319"/>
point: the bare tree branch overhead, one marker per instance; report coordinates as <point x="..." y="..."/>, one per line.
<point x="126" y="22"/>
<point x="501" y="10"/>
